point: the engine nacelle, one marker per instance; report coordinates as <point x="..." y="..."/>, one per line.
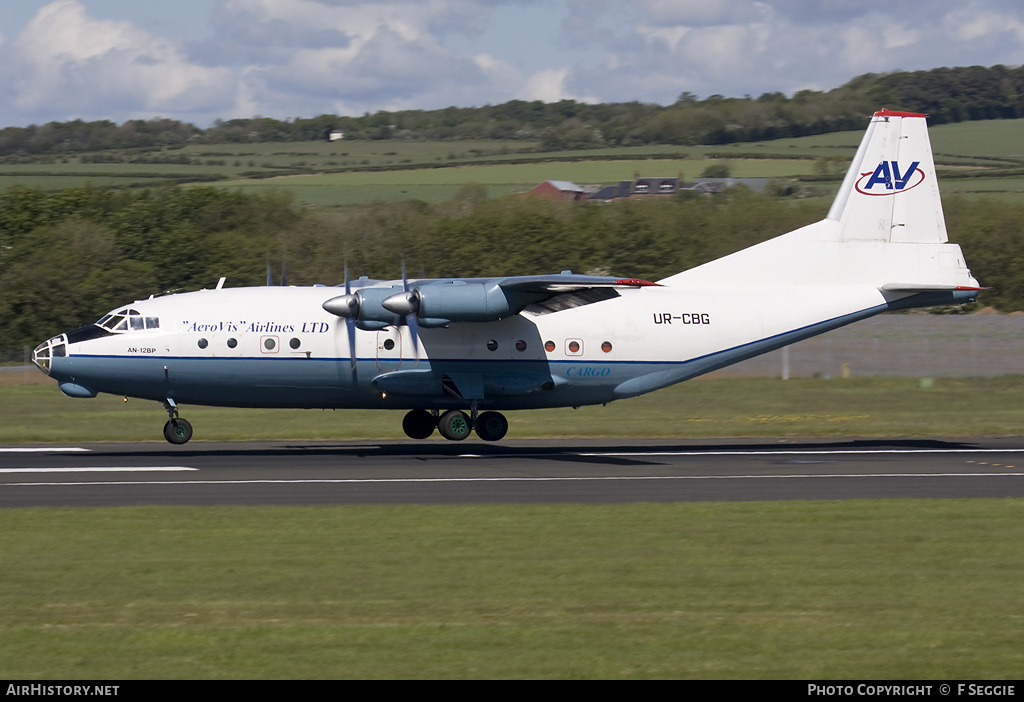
<point x="434" y="305"/>
<point x="469" y="302"/>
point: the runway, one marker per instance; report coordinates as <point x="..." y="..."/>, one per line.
<point x="539" y="471"/>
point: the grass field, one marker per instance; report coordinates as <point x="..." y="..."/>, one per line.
<point x="443" y="183"/>
<point x="926" y="589"/>
<point x="348" y="172"/>
<point x="701" y="408"/>
<point x="887" y="589"/>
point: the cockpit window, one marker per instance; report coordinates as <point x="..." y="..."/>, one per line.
<point x="127" y="320"/>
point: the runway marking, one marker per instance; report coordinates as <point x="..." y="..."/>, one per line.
<point x="100" y="469"/>
<point x="54" y="449"/>
<point x="791" y="476"/>
<point x="766" y="452"/>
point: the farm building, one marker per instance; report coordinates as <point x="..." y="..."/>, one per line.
<point x="560" y="190"/>
<point x="647" y="187"/>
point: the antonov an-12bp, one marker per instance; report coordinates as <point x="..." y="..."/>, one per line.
<point x="442" y="348"/>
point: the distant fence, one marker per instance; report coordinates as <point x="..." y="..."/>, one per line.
<point x="908" y="345"/>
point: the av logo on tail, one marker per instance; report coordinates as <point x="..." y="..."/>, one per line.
<point x="888" y="179"/>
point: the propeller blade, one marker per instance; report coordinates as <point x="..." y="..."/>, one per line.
<point x="284" y="270"/>
<point x="270" y="275"/>
<point x="407" y="303"/>
<point x="414" y="332"/>
<point x="350" y="327"/>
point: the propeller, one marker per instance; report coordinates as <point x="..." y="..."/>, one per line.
<point x="406" y="303"/>
<point x="347" y="306"/>
<point x="350" y="323"/>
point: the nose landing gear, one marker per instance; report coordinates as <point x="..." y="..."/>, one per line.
<point x="176" y="430"/>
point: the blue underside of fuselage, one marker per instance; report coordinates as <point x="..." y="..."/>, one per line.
<point x="330" y="383"/>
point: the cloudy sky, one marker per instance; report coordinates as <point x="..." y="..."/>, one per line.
<point x="198" y="60"/>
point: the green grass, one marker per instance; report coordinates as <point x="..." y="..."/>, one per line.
<point x="433" y="171"/>
<point x="896" y="589"/>
<point x="709" y="407"/>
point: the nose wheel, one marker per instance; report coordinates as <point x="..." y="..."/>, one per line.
<point x="177" y="430"/>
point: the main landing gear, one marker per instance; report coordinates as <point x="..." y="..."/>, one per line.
<point x="455" y="425"/>
<point x="177" y="430"/>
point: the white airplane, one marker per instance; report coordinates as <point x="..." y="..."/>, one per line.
<point x="441" y="347"/>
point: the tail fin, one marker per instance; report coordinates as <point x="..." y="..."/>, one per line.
<point x="890" y="192"/>
<point x="885" y="228"/>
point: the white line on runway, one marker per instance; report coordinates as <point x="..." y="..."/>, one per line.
<point x="100" y="469"/>
<point x="791" y="476"/>
<point x="804" y="452"/>
<point x="759" y="452"/>
<point x="51" y="449"/>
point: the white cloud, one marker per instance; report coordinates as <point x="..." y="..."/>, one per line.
<point x="287" y="58"/>
<point x="96" y="68"/>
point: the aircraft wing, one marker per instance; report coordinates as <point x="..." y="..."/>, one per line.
<point x="566" y="282"/>
<point x="923" y="287"/>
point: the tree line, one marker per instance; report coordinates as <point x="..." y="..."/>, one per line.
<point x="946" y="94"/>
<point x="69" y="256"/>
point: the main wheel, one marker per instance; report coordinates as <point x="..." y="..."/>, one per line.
<point x="418" y="424"/>
<point x="491" y="426"/>
<point x="178" y="431"/>
<point x="454" y="425"/>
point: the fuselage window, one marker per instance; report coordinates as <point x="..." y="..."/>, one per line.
<point x="520" y="345"/>
<point x="606" y="347"/>
<point x="203" y="343"/>
<point x="492" y="345"/>
<point x="295" y="343"/>
<point x="549" y="346"/>
<point x="232" y="343"/>
<point x="152" y="322"/>
<point x="269" y="343"/>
